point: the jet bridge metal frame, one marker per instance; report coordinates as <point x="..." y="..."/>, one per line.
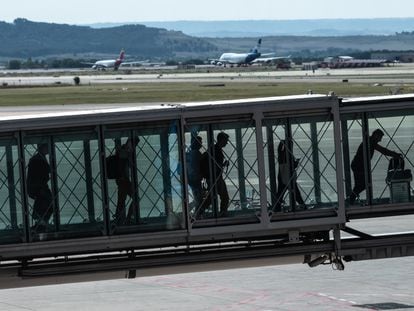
<point x="256" y="233"/>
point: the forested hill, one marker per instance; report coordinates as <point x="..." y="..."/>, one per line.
<point x="24" y="38"/>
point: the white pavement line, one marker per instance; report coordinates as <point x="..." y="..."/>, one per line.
<point x="337" y="299"/>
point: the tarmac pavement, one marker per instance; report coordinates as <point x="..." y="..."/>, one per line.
<point x="402" y="73"/>
<point x="386" y="284"/>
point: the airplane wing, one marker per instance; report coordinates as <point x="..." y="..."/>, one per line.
<point x="146" y="62"/>
<point x="267" y="54"/>
<point x="87" y="63"/>
<point x="135" y="63"/>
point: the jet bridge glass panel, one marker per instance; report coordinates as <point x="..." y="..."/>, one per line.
<point x="63" y="184"/>
<point x="392" y="176"/>
<point x="222" y="172"/>
<point x="378" y="157"/>
<point x="146" y="192"/>
<point x="351" y="128"/>
<point x="12" y="223"/>
<point x="300" y="164"/>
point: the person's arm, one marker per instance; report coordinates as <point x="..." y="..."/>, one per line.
<point x="386" y="151"/>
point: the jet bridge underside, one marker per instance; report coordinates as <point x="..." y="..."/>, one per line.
<point x="197" y="258"/>
<point x="378" y="247"/>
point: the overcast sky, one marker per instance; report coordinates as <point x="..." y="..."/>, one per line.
<point x="92" y="11"/>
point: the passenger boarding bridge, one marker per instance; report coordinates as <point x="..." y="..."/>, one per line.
<point x="285" y="166"/>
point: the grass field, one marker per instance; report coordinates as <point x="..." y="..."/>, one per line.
<point x="180" y="92"/>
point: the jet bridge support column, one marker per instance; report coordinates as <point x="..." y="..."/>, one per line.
<point x="272" y="163"/>
<point x="11" y="187"/>
<point x="89" y="180"/>
<point x="315" y="160"/>
<point x="240" y="165"/>
<point x="165" y="154"/>
<point x="261" y="167"/>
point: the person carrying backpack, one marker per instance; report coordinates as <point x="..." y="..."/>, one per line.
<point x="358" y="166"/>
<point x="216" y="181"/>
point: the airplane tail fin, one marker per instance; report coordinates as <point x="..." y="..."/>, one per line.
<point x="120" y="59"/>
<point x="257" y="47"/>
<point x="121" y="55"/>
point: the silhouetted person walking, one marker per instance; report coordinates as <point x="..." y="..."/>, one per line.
<point x="123" y="180"/>
<point x="38" y="176"/>
<point x="219" y="163"/>
<point x="284" y="176"/>
<point x="194" y="170"/>
<point x="357" y="164"/>
<point x="215" y="183"/>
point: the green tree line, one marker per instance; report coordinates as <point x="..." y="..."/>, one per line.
<point x="24" y="39"/>
<point x="44" y="64"/>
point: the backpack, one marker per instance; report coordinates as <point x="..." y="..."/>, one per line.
<point x="112" y="166"/>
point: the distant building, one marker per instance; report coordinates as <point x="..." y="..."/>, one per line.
<point x="310" y="66"/>
<point x="350" y="62"/>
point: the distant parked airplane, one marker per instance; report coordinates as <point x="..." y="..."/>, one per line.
<point x="245" y="58"/>
<point x="116" y="63"/>
<point x="109" y="63"/>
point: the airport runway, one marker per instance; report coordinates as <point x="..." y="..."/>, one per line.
<point x="394" y="74"/>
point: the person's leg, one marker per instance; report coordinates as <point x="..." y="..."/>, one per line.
<point x="224" y="195"/>
<point x="205" y="199"/>
<point x="359" y="186"/>
<point x="37" y="214"/>
<point x="298" y="195"/>
<point x="130" y="192"/>
<point x="42" y="209"/>
<point x="197" y="191"/>
<point x="120" y="205"/>
<point x="281" y="190"/>
<point x="48" y="205"/>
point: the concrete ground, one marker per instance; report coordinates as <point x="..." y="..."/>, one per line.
<point x="371" y="285"/>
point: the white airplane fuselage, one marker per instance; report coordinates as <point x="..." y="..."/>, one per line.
<point x="238" y="58"/>
<point x="110" y="63"/>
<point x="254" y="56"/>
